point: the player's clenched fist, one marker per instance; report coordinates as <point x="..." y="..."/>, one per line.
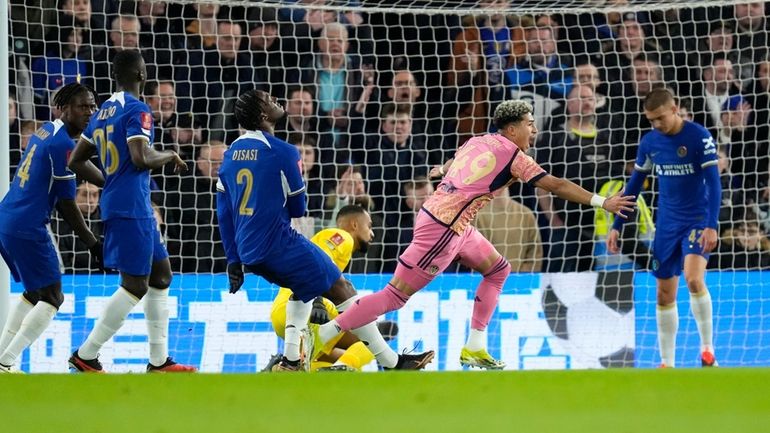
<point x="235" y="275"/>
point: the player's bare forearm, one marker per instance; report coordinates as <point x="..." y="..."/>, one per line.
<point x="565" y="189"/>
<point x="80" y="163"/>
<point x="144" y="157"/>
<point x="71" y="213"/>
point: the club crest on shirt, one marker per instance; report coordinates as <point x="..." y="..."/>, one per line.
<point x="681" y="151"/>
<point x="433" y="270"/>
<point x="146" y="121"/>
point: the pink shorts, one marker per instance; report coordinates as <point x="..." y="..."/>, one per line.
<point x="435" y="246"/>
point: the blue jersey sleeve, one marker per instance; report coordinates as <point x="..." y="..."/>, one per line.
<point x="643" y="161"/>
<point x="294" y="184"/>
<point x="64" y="179"/>
<point x="226" y="224"/>
<point x="708" y="156"/>
<point x="139" y="123"/>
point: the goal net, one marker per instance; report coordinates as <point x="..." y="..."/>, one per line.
<point x="378" y="92"/>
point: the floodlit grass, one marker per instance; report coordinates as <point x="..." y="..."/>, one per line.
<point x="654" y="401"/>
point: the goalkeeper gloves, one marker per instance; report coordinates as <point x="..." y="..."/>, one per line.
<point x="97" y="254"/>
<point x="235" y="275"/>
<point x="318" y="314"/>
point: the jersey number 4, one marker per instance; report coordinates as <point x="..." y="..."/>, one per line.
<point x="23" y="173"/>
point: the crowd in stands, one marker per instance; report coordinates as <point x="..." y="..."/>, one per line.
<point x="374" y="100"/>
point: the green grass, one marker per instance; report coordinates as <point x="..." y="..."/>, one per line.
<point x="655" y="401"/>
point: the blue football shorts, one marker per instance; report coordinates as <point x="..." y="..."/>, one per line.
<point x="300" y="266"/>
<point x="132" y="245"/>
<point x="670" y="248"/>
<point x="34" y="263"/>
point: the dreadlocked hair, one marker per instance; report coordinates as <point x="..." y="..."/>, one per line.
<point x="248" y="110"/>
<point x="65" y="94"/>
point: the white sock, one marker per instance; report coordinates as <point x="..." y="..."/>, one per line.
<point x="701" y="308"/>
<point x="297" y="316"/>
<point x="156" y="314"/>
<point x="668" y="324"/>
<point x="371" y="337"/>
<point x="477" y="340"/>
<point x="33" y="325"/>
<point x="13" y="323"/>
<point x="328" y="330"/>
<point x="119" y="305"/>
<point x="344" y="305"/>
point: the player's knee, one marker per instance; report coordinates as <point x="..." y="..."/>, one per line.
<point x="52" y="295"/>
<point x="694" y="284"/>
<point x="160" y="282"/>
<point x="31" y="297"/>
<point x="499" y="273"/>
<point x="341" y="291"/>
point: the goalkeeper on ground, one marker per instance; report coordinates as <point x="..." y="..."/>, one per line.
<point x="353" y="233"/>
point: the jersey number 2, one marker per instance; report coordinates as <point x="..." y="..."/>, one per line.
<point x="245" y="178"/>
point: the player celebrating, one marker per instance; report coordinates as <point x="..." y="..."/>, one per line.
<point x="260" y="188"/>
<point x="353" y="233"/>
<point x="443" y="231"/>
<point x="42" y="181"/>
<point x="685" y="159"/>
<point x="121" y="132"/>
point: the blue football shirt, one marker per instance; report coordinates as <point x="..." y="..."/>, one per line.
<point x="120" y="119"/>
<point x="40" y="181"/>
<point x="679" y="161"/>
<point x="258" y="175"/>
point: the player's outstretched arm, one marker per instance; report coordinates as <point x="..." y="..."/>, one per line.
<point x="618" y="204"/>
<point x="80" y="163"/>
<point x="145" y="157"/>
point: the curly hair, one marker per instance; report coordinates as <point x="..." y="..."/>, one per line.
<point x="512" y="111"/>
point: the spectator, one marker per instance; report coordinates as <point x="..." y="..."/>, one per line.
<point x="392" y="157"/>
<point x="202" y="249"/>
<point x="300" y="119"/>
<point x="512" y="229"/>
<point x="577" y="150"/>
<point x="759" y="90"/>
<point x="314" y="184"/>
<point x="540" y="75"/>
<point x="216" y="83"/>
<point x="631" y="43"/>
<point x="123" y="35"/>
<point x="717" y="85"/>
<point x="61" y="65"/>
<point x="748" y="151"/>
<point x="646" y="74"/>
<point x="337" y="79"/>
<point x="159" y="31"/>
<point x="743" y="246"/>
<point x="720" y="41"/>
<point x="273" y="55"/>
<point x="74" y="253"/>
<point x="201" y="32"/>
<point x="751" y="36"/>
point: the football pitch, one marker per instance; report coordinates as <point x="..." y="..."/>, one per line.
<point x="656" y="401"/>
